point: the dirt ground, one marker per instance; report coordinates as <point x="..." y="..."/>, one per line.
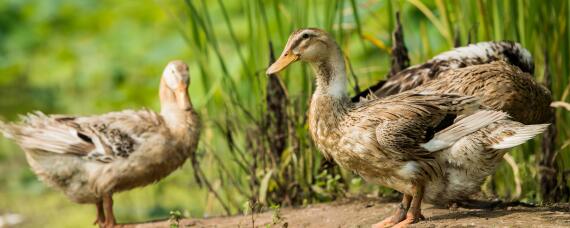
<point x="363" y="212"/>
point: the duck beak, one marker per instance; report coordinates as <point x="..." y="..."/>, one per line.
<point x="284" y="60"/>
<point x="182" y="98"/>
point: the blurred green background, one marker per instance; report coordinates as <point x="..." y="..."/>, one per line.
<point x="95" y="56"/>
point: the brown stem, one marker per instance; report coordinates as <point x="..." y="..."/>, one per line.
<point x="211" y="189"/>
<point x="400" y="59"/>
<point x="548" y="171"/>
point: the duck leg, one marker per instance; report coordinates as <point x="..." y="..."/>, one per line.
<point x="108" y="207"/>
<point x="100" y="214"/>
<point x="414" y="214"/>
<point x="399" y="214"/>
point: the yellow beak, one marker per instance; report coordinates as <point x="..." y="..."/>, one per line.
<point x="283" y="61"/>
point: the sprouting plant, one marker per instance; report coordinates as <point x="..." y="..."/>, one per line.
<point x="251" y="207"/>
<point x="328" y="186"/>
<point x="276" y="217"/>
<point x="175" y="217"/>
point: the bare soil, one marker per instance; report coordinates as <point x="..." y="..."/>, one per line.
<point x="363" y="212"/>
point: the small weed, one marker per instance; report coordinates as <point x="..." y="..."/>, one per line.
<point x="175" y="217"/>
<point x="276" y="217"/>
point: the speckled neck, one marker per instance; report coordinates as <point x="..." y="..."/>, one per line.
<point x="329" y="103"/>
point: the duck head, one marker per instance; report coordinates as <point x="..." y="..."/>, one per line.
<point x="175" y="82"/>
<point x="309" y="45"/>
<point x="319" y="49"/>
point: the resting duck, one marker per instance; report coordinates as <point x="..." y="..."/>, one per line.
<point x="90" y="158"/>
<point x="471" y="55"/>
<point x="423" y="144"/>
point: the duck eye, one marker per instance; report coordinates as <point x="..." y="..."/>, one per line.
<point x="305" y="36"/>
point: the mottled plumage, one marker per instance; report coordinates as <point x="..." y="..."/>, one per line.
<point x="472" y="55"/>
<point x="90" y="158"/>
<point x="499" y="86"/>
<point x="404" y="141"/>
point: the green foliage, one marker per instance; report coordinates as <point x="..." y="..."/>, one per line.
<point x="88" y="57"/>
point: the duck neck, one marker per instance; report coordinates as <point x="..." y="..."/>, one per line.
<point x="331" y="83"/>
<point x="329" y="103"/>
<point x="331" y="76"/>
<point x="177" y="111"/>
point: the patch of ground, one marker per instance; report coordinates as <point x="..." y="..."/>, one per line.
<point x="363" y="212"/>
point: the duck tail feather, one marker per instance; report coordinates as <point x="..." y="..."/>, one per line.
<point x="467" y="125"/>
<point x="521" y="135"/>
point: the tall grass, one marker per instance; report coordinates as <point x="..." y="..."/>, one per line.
<point x="229" y="41"/>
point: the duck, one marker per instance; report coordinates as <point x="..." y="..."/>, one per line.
<point x="89" y="158"/>
<point x="473" y="54"/>
<point x="424" y="144"/>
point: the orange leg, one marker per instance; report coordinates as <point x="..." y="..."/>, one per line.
<point x="399" y="214"/>
<point x="415" y="213"/>
<point x="100" y="214"/>
<point x="108" y="207"/>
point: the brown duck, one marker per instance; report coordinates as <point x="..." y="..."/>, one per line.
<point x="90" y="158"/>
<point x="425" y="144"/>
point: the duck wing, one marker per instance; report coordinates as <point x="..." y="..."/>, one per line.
<point x="101" y="138"/>
<point x="413" y="127"/>
<point x="407" y="120"/>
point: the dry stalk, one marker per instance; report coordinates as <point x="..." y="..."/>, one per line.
<point x="548" y="169"/>
<point x="518" y="186"/>
<point x="276" y="116"/>
<point x="400" y="59"/>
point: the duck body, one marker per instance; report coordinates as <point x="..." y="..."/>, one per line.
<point x="136" y="149"/>
<point x="386" y="149"/>
<point x="91" y="158"/>
<point x="499" y="74"/>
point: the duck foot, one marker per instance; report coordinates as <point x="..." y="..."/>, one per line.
<point x="414" y="214"/>
<point x="402" y="222"/>
<point x="388" y="222"/>
<point x="411" y="218"/>
<point x="398" y="216"/>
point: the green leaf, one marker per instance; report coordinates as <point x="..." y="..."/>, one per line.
<point x="263" y="188"/>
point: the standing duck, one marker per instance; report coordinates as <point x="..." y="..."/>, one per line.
<point x="91" y="158"/>
<point x="471" y="55"/>
<point x="423" y="144"/>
